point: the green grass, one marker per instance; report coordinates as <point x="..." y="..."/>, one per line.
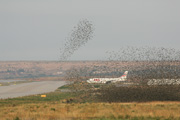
<point x="13" y="83"/>
<point x="50" y="97"/>
<point x="64" y="87"/>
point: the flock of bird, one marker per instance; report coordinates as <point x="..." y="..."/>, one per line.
<point x="78" y="37"/>
<point x="131" y="53"/>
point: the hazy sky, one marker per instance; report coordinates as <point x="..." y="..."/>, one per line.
<point x="36" y="29"/>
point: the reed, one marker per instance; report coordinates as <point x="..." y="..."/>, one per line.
<point x="58" y="111"/>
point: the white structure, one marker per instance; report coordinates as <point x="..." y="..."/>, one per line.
<point x="163" y="82"/>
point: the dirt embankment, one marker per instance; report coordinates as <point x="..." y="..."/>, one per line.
<point x="31" y="69"/>
<point x="36" y="69"/>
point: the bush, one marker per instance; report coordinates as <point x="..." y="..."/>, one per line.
<point x="139" y="93"/>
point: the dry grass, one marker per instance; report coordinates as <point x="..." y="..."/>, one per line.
<point x="58" y="110"/>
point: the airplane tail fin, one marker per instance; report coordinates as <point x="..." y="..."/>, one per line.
<point x="126" y="72"/>
<point x="124" y="76"/>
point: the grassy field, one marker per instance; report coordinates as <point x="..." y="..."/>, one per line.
<point x="68" y="105"/>
<point x="122" y="111"/>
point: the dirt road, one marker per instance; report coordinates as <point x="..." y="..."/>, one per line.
<point x="32" y="88"/>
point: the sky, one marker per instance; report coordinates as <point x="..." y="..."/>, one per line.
<point x="37" y="29"/>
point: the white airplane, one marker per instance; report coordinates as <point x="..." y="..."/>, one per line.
<point x="108" y="80"/>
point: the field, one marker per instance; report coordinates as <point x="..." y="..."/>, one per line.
<point x="69" y="105"/>
<point x="58" y="110"/>
<point x="81" y="100"/>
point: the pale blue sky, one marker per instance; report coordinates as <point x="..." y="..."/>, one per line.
<point x="36" y="29"/>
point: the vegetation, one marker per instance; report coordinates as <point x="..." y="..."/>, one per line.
<point x="139" y="93"/>
<point x="90" y="102"/>
<point x="51" y="98"/>
<point x="122" y="92"/>
<point x="97" y="111"/>
<point x="13" y="82"/>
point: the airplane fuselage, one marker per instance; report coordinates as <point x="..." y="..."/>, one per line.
<point x="108" y="80"/>
<point x="104" y="80"/>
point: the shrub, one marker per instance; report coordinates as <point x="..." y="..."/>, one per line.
<point x="139" y="93"/>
